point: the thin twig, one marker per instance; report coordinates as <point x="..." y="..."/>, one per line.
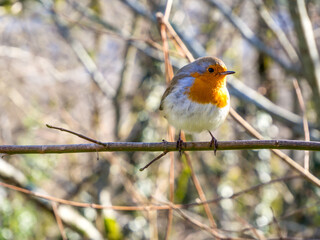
<point x="153" y="160"/>
<point x="200" y="225"/>
<point x="200" y="192"/>
<point x="77" y="134"/>
<point x="141" y="207"/>
<point x="278" y="32"/>
<point x="165" y="47"/>
<point x="295" y="166"/>
<point x="238" y="194"/>
<point x="177" y="39"/>
<point x="59" y="221"/>
<point x="305" y="122"/>
<point x="171" y="185"/>
<point x="168" y="10"/>
<point x="169" y="76"/>
<point x="253" y="188"/>
<point x="252" y="229"/>
<point x="278" y="228"/>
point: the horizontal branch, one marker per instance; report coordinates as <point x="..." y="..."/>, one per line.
<point x="160" y="146"/>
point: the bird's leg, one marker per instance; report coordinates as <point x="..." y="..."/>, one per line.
<point x="179" y="142"/>
<point x="214" y="142"/>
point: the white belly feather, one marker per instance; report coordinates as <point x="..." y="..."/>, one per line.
<point x="190" y="116"/>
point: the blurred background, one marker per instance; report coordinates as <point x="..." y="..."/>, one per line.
<point x="96" y="67"/>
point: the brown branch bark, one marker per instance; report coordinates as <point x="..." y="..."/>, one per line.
<point x="169" y="76"/>
<point x="160" y="146"/>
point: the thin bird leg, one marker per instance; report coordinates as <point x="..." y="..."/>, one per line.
<point x="215" y="142"/>
<point x="179" y="143"/>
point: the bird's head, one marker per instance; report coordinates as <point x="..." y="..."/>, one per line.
<point x="207" y="69"/>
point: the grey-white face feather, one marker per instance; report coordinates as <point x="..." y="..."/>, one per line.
<point x="200" y="65"/>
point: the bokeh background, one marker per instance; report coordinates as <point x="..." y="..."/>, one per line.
<point x="96" y="67"/>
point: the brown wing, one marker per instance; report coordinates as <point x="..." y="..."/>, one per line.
<point x="172" y="85"/>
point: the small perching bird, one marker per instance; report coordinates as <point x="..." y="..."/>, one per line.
<point x="197" y="98"/>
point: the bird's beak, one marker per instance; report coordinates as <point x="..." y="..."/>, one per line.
<point x="227" y="72"/>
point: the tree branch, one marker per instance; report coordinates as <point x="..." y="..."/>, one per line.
<point x="277" y="31"/>
<point x="82" y="54"/>
<point x="248" y="35"/>
<point x="160" y="146"/>
<point x="309" y="54"/>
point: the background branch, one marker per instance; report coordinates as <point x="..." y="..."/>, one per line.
<point x="248" y="34"/>
<point x="308" y="50"/>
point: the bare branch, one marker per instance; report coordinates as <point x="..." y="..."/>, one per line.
<point x="201" y="194"/>
<point x="80" y="51"/>
<point x="307" y="46"/>
<point x="305" y="121"/>
<point x="171" y="146"/>
<point x="240" y="90"/>
<point x="248" y="34"/>
<point x="200" y="225"/>
<point x="276" y="29"/>
<point x="144" y="207"/>
<point x="153" y="160"/>
<point x="59" y="221"/>
<point x="159" y="146"/>
<point x="169" y="77"/>
<point x="77" y="134"/>
<point x="178" y="40"/>
<point x="168" y="10"/>
<point x="295" y="166"/>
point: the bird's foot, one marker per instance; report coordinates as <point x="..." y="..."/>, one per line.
<point x="179" y="143"/>
<point x="213" y="142"/>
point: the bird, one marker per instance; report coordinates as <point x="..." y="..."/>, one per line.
<point x="197" y="98"/>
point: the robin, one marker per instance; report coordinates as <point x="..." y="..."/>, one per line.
<point x="197" y="98"/>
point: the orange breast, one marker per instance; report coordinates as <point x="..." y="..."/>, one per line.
<point x="208" y="88"/>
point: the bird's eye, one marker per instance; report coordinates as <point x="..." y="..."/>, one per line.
<point x="211" y="70"/>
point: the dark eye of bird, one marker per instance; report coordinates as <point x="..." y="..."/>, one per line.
<point x="210" y="70"/>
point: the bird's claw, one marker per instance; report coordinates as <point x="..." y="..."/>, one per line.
<point x="213" y="142"/>
<point x="179" y="145"/>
